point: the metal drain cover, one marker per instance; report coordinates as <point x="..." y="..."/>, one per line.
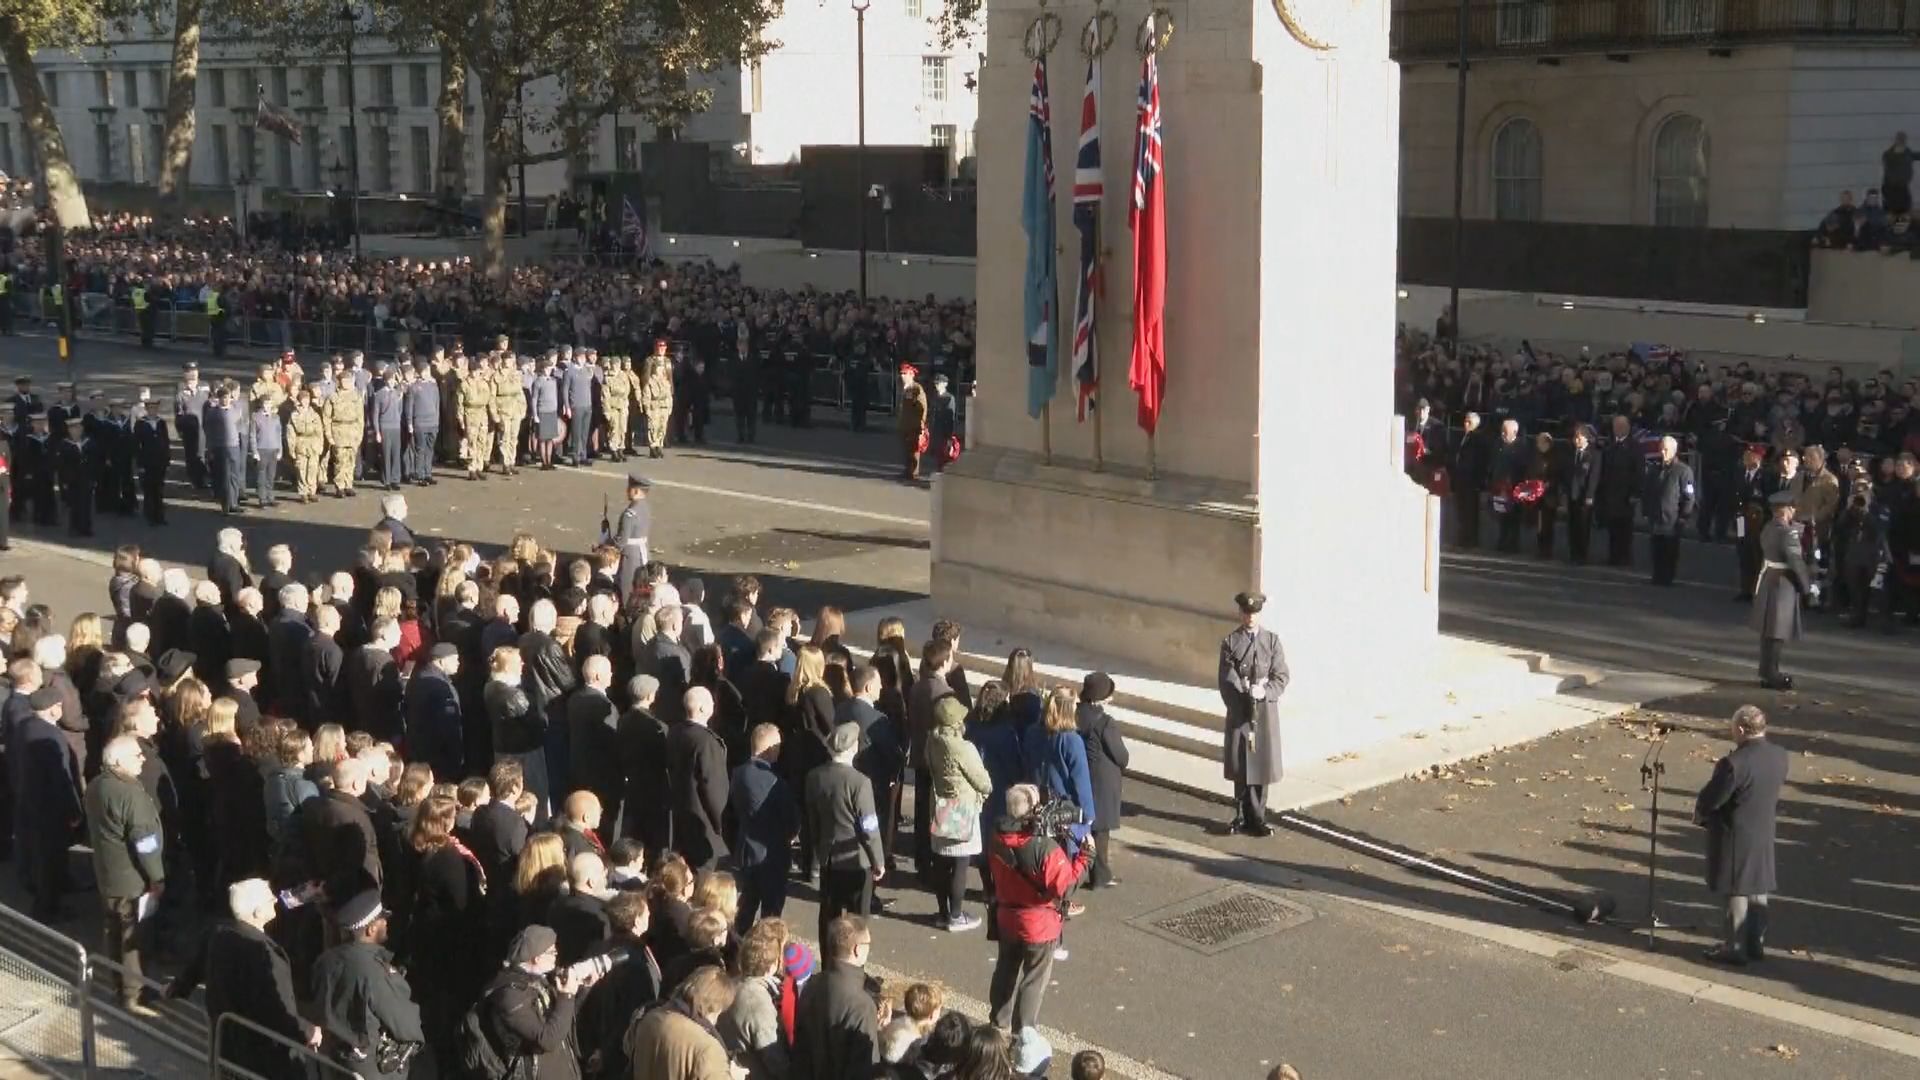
<point x="1223" y="919"/>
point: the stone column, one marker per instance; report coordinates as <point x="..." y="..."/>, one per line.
<point x="1278" y="453"/>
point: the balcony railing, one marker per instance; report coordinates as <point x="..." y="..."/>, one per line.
<point x="1431" y="30"/>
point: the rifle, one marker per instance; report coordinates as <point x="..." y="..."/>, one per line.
<point x="606" y="526"/>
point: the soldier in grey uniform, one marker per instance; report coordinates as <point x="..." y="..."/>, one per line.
<point x="1253" y="675"/>
<point x="422" y="414"/>
<point x="368" y="1019"/>
<point x="1776" y="601"/>
<point x="389" y="406"/>
<point x="189" y="405"/>
<point x="630" y="533"/>
<point x="263" y="439"/>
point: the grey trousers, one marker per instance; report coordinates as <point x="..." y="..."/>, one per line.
<point x="1746" y="926"/>
<point x="1020" y="978"/>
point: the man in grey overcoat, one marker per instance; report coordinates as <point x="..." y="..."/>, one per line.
<point x="1776" y="600"/>
<point x="1737" y="808"/>
<point x="1253" y="675"/>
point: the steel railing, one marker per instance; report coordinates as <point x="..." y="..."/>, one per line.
<point x="315" y="1066"/>
<point x="46" y="1008"/>
<point x="1430" y="29"/>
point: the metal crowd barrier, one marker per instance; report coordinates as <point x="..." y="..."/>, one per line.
<point x="46" y="1011"/>
<point x="313" y="1066"/>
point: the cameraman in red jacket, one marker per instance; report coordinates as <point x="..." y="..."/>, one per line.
<point x="1031" y="879"/>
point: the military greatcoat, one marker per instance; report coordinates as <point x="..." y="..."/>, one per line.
<point x="1253" y="675"/>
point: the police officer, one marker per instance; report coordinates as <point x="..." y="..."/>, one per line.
<point x="224" y="422"/>
<point x="1666" y="502"/>
<point x="216" y="319"/>
<point x="421" y="413"/>
<point x="368" y="1020"/>
<point x="123" y="828"/>
<point x="264" y="442"/>
<point x="1253" y="675"/>
<point x="307" y="444"/>
<point x="153" y="451"/>
<point x="630" y="533"/>
<point x="78" y="463"/>
<point x="345" y="417"/>
<point x="143" y="313"/>
<point x="189" y="404"/>
<point x="1783" y="580"/>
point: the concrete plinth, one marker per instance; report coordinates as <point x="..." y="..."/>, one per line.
<point x="1277" y="461"/>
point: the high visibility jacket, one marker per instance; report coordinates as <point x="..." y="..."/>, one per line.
<point x="213" y="302"/>
<point x="6" y="284"/>
<point x="139" y="298"/>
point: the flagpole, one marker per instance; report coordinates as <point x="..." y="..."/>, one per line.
<point x="1099" y="454"/>
<point x="1046" y="433"/>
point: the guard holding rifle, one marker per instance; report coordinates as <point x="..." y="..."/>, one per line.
<point x="1783" y="578"/>
<point x="1253" y="675"/>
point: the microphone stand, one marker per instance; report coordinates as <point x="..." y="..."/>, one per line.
<point x="1652" y="770"/>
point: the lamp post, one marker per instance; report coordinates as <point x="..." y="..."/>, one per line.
<point x="860" y="157"/>
<point x="1459" y="181"/>
<point x="350" y="20"/>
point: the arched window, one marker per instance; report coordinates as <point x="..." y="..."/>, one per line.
<point x="1680" y="171"/>
<point x="1516" y="171"/>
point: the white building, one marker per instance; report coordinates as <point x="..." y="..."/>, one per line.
<point x="111" y="104"/>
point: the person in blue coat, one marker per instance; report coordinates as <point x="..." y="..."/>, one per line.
<point x="1057" y="763"/>
<point x="544" y="407"/>
<point x="264" y="439"/>
<point x="224" y="421"/>
<point x="421" y="412"/>
<point x="435" y="733"/>
<point x="994" y="729"/>
<point x="577" y="405"/>
<point x="389" y="412"/>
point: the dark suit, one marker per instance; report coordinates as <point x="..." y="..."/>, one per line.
<point x="225" y="571"/>
<point x="1621" y="464"/>
<point x="843" y="831"/>
<point x="286" y="647"/>
<point x="766" y="819"/>
<point x="697" y="764"/>
<point x="248" y="974"/>
<point x="592" y="739"/>
<point x="836" y="1026"/>
<point x="642" y="741"/>
<point x="342" y="843"/>
<point x="322" y="667"/>
<point x="1737" y="808"/>
<point x="1581" y="481"/>
<point x="498" y="834"/>
<point x="433" y="723"/>
<point x="1107" y="760"/>
<point x="1667" y="501"/>
<point x="211" y="640"/>
<point x="373" y="691"/>
<point x="45" y="776"/>
<point x="1750" y="493"/>
<point x="667" y="660"/>
<point x="580" y="923"/>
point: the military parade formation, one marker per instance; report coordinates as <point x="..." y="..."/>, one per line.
<point x="390" y="425"/>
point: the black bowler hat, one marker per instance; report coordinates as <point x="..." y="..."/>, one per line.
<point x="175" y="663"/>
<point x="1250" y="603"/>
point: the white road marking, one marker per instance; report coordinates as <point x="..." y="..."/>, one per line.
<point x="1597" y="575"/>
<point x="773" y="500"/>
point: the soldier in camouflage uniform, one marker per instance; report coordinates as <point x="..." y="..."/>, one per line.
<point x="266" y="386"/>
<point x="616" y="397"/>
<point x="510" y="409"/>
<point x="307" y="443"/>
<point x="474" y="400"/>
<point x="346" y="417"/>
<point x="656" y="400"/>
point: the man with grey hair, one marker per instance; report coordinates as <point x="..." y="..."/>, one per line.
<point x="697" y="768"/>
<point x="843" y="827"/>
<point x="593" y="722"/>
<point x="1738" y="807"/>
<point x="1667" y="501"/>
<point x="642" y="740"/>
<point x="248" y="974"/>
<point x="287" y="634"/>
<point x="123" y="829"/>
<point x="393" y="517"/>
<point x="547" y="677"/>
<point x="228" y="569"/>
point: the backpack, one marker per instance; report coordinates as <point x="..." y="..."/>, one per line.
<point x="477" y="1058"/>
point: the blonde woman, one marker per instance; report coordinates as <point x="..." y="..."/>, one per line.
<point x="86" y="642"/>
<point x="539" y="878"/>
<point x="1057" y="758"/>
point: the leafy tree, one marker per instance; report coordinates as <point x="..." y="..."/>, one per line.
<point x="27" y="25"/>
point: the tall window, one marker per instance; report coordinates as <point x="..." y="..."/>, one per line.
<point x="156" y="145"/>
<point x="417" y="85"/>
<point x="249" y="145"/>
<point x="316" y="95"/>
<point x="933" y="78"/>
<point x="422" y="138"/>
<point x="382" y="153"/>
<point x="217" y="82"/>
<point x="103" y="89"/>
<point x="156" y="85"/>
<point x="626" y="146"/>
<point x="52" y="79"/>
<point x="130" y="88"/>
<point x="1680" y="171"/>
<point x="1686" y="18"/>
<point x="245" y="89"/>
<point x="6" y="93"/>
<point x="1516" y="171"/>
<point x="940" y="135"/>
<point x="1520" y="22"/>
<point x="277" y="85"/>
<point x="282" y="161"/>
<point x="383" y="84"/>
<point x="310" y="144"/>
<point x="6" y="149"/>
<point x="103" y="150"/>
<point x="222" y="154"/>
<point x="914" y="9"/>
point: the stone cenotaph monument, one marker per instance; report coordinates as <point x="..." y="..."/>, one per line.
<point x="1277" y="461"/>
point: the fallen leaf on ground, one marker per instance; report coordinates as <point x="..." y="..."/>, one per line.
<point x="1623" y="807"/>
<point x="1397" y="948"/>
<point x="1479" y="781"/>
<point x="1782" y="1051"/>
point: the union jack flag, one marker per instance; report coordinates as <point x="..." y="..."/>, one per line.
<point x="1088" y="190"/>
<point x="633" y="226"/>
<point x="1147" y="216"/>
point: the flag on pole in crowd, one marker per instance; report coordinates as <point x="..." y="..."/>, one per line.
<point x="633" y="226"/>
<point x="1088" y="190"/>
<point x="1037" y="219"/>
<point x="269" y="117"/>
<point x="1147" y="216"/>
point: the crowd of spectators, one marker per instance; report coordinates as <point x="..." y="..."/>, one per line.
<point x="1884" y="221"/>
<point x="450" y="808"/>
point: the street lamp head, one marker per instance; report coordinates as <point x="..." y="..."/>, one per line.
<point x="861" y="6"/>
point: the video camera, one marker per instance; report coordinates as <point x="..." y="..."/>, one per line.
<point x="1052" y="818"/>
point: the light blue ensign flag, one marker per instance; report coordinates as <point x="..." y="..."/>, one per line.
<point x="1036" y="217"/>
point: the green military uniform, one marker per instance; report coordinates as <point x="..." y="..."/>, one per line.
<point x="307" y="442"/>
<point x="474" y="399"/>
<point x="656" y="400"/>
<point x="616" y="398"/>
<point x="269" y="389"/>
<point x="346" y="417"/>
<point x="510" y="408"/>
<point x="123" y="826"/>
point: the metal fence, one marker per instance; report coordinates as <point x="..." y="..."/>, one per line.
<point x="46" y="1012"/>
<point x="309" y="1064"/>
